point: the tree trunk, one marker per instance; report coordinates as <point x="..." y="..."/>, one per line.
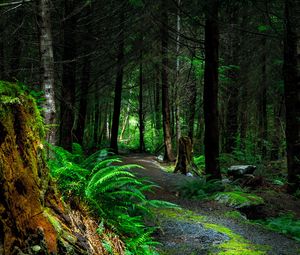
<point x="192" y="106"/>
<point x="118" y="88"/>
<point x="210" y="94"/>
<point x="32" y="216"/>
<point x="47" y="68"/>
<point x="2" y="64"/>
<point x="157" y="99"/>
<point x="125" y="122"/>
<point x="17" y="47"/>
<point x="233" y="88"/>
<point x="292" y="91"/>
<point x="262" y="105"/>
<point x="141" y="110"/>
<point x="165" y="86"/>
<point x="276" y="137"/>
<point x="98" y="115"/>
<point x="85" y="79"/>
<point x="184" y="156"/>
<point x="68" y="77"/>
<point x="177" y="83"/>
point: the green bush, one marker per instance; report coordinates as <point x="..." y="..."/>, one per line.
<point x="113" y="193"/>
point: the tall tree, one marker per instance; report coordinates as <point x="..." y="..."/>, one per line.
<point x="165" y="86"/>
<point x="2" y="65"/>
<point x="141" y="104"/>
<point x="17" y="47"/>
<point x="118" y="87"/>
<point x="233" y="75"/>
<point x="85" y="76"/>
<point x="210" y="94"/>
<point x="177" y="84"/>
<point x="192" y="105"/>
<point x="47" y="67"/>
<point x="262" y="102"/>
<point x="292" y="91"/>
<point x="69" y="75"/>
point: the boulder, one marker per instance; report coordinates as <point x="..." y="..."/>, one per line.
<point x="239" y="171"/>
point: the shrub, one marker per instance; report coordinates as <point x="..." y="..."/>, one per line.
<point x="200" y="188"/>
<point x="285" y="224"/>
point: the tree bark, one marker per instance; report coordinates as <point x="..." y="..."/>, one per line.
<point x="118" y="88"/>
<point x="157" y="99"/>
<point x="185" y="156"/>
<point x="2" y="64"/>
<point x="292" y="91"/>
<point x="67" y="99"/>
<point x="85" y="78"/>
<point x="141" y="105"/>
<point x="192" y="102"/>
<point x="47" y="68"/>
<point x="233" y="87"/>
<point x="177" y="84"/>
<point x="165" y="86"/>
<point x="210" y="94"/>
<point x="262" y="104"/>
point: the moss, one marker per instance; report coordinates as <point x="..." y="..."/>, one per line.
<point x="238" y="199"/>
<point x="55" y="223"/>
<point x="59" y="228"/>
<point x="236" y="245"/>
<point x="11" y="95"/>
<point x="235" y="215"/>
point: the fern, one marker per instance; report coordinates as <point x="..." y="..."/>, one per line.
<point x="113" y="192"/>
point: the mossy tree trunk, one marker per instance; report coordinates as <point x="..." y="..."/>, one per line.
<point x="33" y="220"/>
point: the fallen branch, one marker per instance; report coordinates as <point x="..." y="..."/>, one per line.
<point x="15" y="3"/>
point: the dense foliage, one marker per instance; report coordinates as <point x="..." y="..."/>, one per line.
<point x="114" y="194"/>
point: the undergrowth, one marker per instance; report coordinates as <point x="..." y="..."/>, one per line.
<point x="285" y="224"/>
<point x="230" y="194"/>
<point x="111" y="191"/>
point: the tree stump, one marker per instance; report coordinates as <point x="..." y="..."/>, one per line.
<point x="33" y="219"/>
<point x="184" y="162"/>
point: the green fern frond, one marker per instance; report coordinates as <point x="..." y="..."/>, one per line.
<point x="105" y="163"/>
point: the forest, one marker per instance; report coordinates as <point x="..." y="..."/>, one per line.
<point x="139" y="127"/>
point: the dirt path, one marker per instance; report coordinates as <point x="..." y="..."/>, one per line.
<point x="201" y="227"/>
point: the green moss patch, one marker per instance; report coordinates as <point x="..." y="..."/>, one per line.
<point x="235" y="215"/>
<point x="235" y="245"/>
<point x="238" y="199"/>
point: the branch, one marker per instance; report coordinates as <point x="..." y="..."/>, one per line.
<point x="15" y="3"/>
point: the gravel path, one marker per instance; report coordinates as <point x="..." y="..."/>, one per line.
<point x="180" y="236"/>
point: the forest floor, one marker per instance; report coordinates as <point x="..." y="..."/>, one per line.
<point x="203" y="227"/>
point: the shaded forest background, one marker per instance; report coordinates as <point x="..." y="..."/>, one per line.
<point x="139" y="75"/>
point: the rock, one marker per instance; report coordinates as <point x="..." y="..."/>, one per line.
<point x="238" y="199"/>
<point x="160" y="158"/>
<point x="241" y="170"/>
<point x="36" y="248"/>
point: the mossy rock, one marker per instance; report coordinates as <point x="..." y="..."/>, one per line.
<point x="238" y="199"/>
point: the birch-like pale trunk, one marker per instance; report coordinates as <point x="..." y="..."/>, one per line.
<point x="47" y="68"/>
<point x="177" y="105"/>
